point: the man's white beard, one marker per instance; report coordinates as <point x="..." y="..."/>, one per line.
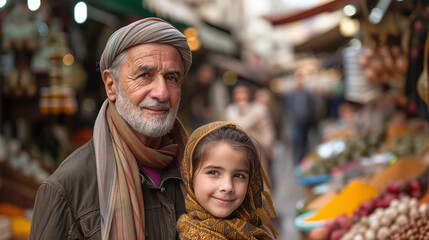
<point x="155" y="125"/>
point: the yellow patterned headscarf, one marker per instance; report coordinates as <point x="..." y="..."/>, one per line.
<point x="249" y="221"/>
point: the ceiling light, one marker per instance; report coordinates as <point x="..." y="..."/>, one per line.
<point x="80" y="12"/>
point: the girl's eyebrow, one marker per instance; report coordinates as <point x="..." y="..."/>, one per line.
<point x="221" y="168"/>
<point x="214" y="167"/>
<point x="242" y="170"/>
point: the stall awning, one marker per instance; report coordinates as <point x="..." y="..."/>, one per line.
<point x="139" y="9"/>
<point x="328" y="41"/>
<point x="288" y="17"/>
<point x="239" y="67"/>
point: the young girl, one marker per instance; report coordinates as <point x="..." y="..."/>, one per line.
<point x="223" y="177"/>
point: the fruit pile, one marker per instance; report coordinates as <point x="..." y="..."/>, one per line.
<point x="394" y="190"/>
<point x="377" y="217"/>
<point x="383" y="221"/>
<point x="416" y="228"/>
<point x="332" y="229"/>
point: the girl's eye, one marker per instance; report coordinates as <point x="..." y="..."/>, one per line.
<point x="213" y="172"/>
<point x="240" y="176"/>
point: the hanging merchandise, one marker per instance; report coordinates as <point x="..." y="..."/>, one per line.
<point x="383" y="62"/>
<point x="422" y="83"/>
<point x="20" y="36"/>
<point x="418" y="34"/>
<point x="59" y="96"/>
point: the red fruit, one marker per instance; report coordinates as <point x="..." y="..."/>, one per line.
<point x="397" y="186"/>
<point x="331" y="225"/>
<point x="415" y="184"/>
<point x="337" y="234"/>
<point x="363" y="212"/>
<point x="416" y="194"/>
<point x="367" y="206"/>
<point x="392" y="187"/>
<point x="319" y="233"/>
<point x="381" y="203"/>
<point x="345" y="221"/>
<point x="388" y="197"/>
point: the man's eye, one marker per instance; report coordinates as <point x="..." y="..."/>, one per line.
<point x="172" y="78"/>
<point x="145" y="75"/>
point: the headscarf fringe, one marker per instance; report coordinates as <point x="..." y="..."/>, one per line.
<point x="262" y="214"/>
<point x="270" y="204"/>
<point x="265" y="177"/>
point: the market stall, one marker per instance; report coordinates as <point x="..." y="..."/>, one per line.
<point x="368" y="179"/>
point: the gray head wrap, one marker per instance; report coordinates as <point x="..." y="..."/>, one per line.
<point x="148" y="30"/>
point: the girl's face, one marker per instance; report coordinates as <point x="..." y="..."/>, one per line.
<point x="221" y="179"/>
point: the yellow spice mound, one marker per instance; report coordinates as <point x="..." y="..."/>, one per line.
<point x="346" y="202"/>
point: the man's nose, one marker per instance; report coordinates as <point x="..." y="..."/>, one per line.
<point x="159" y="89"/>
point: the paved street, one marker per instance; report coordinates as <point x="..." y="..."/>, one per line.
<point x="286" y="192"/>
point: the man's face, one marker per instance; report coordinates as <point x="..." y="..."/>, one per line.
<point x="149" y="90"/>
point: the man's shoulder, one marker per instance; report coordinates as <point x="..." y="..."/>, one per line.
<point x="72" y="191"/>
<point x="78" y="166"/>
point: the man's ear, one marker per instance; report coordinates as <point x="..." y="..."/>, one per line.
<point x="110" y="85"/>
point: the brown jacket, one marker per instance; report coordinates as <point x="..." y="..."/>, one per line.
<point x="67" y="205"/>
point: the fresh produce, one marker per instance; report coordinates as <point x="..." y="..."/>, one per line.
<point x="394" y="190"/>
<point x="377" y="217"/>
<point x="362" y="145"/>
<point x="332" y="229"/>
<point x="409" y="144"/>
<point x="319" y="233"/>
<point x="379" y="224"/>
<point x="416" y="228"/>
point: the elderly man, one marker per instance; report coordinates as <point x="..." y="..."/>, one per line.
<point x="125" y="183"/>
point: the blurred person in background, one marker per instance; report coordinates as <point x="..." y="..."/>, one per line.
<point x="125" y="183"/>
<point x="205" y="96"/>
<point x="254" y="117"/>
<point x="266" y="97"/>
<point x="300" y="109"/>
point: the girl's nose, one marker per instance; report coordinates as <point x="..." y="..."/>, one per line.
<point x="226" y="185"/>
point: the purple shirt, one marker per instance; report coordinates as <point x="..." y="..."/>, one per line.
<point x="153" y="173"/>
